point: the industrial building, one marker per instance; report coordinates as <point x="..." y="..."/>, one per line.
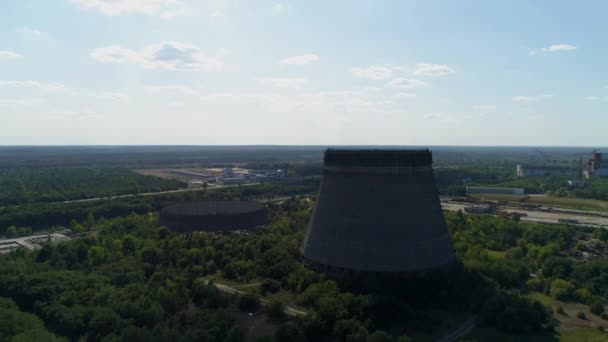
<point x="378" y="211"/>
<point x="540" y="170"/>
<point x="471" y="190"/>
<point x="213" y="216"/>
<point x="31" y="242"/>
<point x="596" y="166"/>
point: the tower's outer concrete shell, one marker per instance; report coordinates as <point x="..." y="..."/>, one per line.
<point x="378" y="211"/>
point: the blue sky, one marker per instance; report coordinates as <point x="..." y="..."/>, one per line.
<point x="303" y="72"/>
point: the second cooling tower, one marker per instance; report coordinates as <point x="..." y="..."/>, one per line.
<point x="378" y="211"/>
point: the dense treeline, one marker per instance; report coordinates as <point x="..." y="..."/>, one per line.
<point x="536" y="255"/>
<point x="595" y="188"/>
<point x="45" y="215"/>
<point x="452" y="181"/>
<point x="128" y="279"/>
<point x="30" y="185"/>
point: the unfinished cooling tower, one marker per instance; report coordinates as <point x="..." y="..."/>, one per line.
<point x="213" y="216"/>
<point x="378" y="211"/>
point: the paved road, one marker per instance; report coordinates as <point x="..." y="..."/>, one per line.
<point x="460" y="332"/>
<point x="542" y="216"/>
<point x="133" y="195"/>
<point x="289" y="311"/>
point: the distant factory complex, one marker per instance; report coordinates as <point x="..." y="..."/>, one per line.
<point x="595" y="166"/>
<point x="229" y="175"/>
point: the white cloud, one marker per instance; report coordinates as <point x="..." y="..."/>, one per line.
<point x="5" y="54"/>
<point x="559" y="47"/>
<point x="32" y="32"/>
<point x="172" y="89"/>
<point x="404" y="95"/>
<point x="373" y="72"/>
<point x="164" y="8"/>
<point x="166" y="55"/>
<point x="20" y="103"/>
<point x="592" y="98"/>
<point x="217" y="14"/>
<point x="60" y="88"/>
<point x="283" y="82"/>
<point x="524" y="98"/>
<point x="51" y="87"/>
<point x="300" y="60"/>
<point x="112" y="96"/>
<point x="404" y="83"/>
<point x="428" y="69"/>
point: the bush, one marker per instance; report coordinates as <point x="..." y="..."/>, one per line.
<point x="561" y="289"/>
<point x="275" y="309"/>
<point x="581" y="315"/>
<point x="561" y="311"/>
<point x="536" y="284"/>
<point x="249" y="302"/>
<point x="270" y="285"/>
<point x="597" y="308"/>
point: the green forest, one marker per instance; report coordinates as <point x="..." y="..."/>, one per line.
<point x="39" y="216"/>
<point x="127" y="279"/>
<point x="50" y="184"/>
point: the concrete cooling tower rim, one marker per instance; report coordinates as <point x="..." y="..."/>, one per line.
<point x="378" y="211"/>
<point x="213" y="216"/>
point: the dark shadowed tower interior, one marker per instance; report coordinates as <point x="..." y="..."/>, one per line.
<point x="378" y="211"/>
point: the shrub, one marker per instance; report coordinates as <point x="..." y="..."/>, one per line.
<point x="581" y="315"/>
<point x="249" y="302"/>
<point x="275" y="309"/>
<point x="597" y="308"/>
<point x="561" y="289"/>
<point x="270" y="285"/>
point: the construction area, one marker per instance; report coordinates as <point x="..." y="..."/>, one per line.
<point x="594" y="166"/>
<point x="530" y="212"/>
<point x="32" y="242"/>
<point x="218" y="176"/>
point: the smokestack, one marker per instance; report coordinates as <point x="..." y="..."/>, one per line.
<point x="378" y="211"/>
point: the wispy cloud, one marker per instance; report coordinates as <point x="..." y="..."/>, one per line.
<point x="559" y="47"/>
<point x="300" y="60"/>
<point x="373" y="72"/>
<point x="525" y="98"/>
<point x="60" y="88"/>
<point x="404" y="83"/>
<point x="165" y="9"/>
<point x="172" y="89"/>
<point x="32" y="32"/>
<point x="166" y="55"/>
<point x="5" y="54"/>
<point x="283" y="82"/>
<point x="429" y="69"/>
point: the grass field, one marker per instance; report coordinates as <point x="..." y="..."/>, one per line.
<point x="572" y="328"/>
<point x="496" y="254"/>
<point x="564" y="202"/>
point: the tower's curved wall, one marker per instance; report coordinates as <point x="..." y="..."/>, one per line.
<point x="213" y="216"/>
<point x="378" y="211"/>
